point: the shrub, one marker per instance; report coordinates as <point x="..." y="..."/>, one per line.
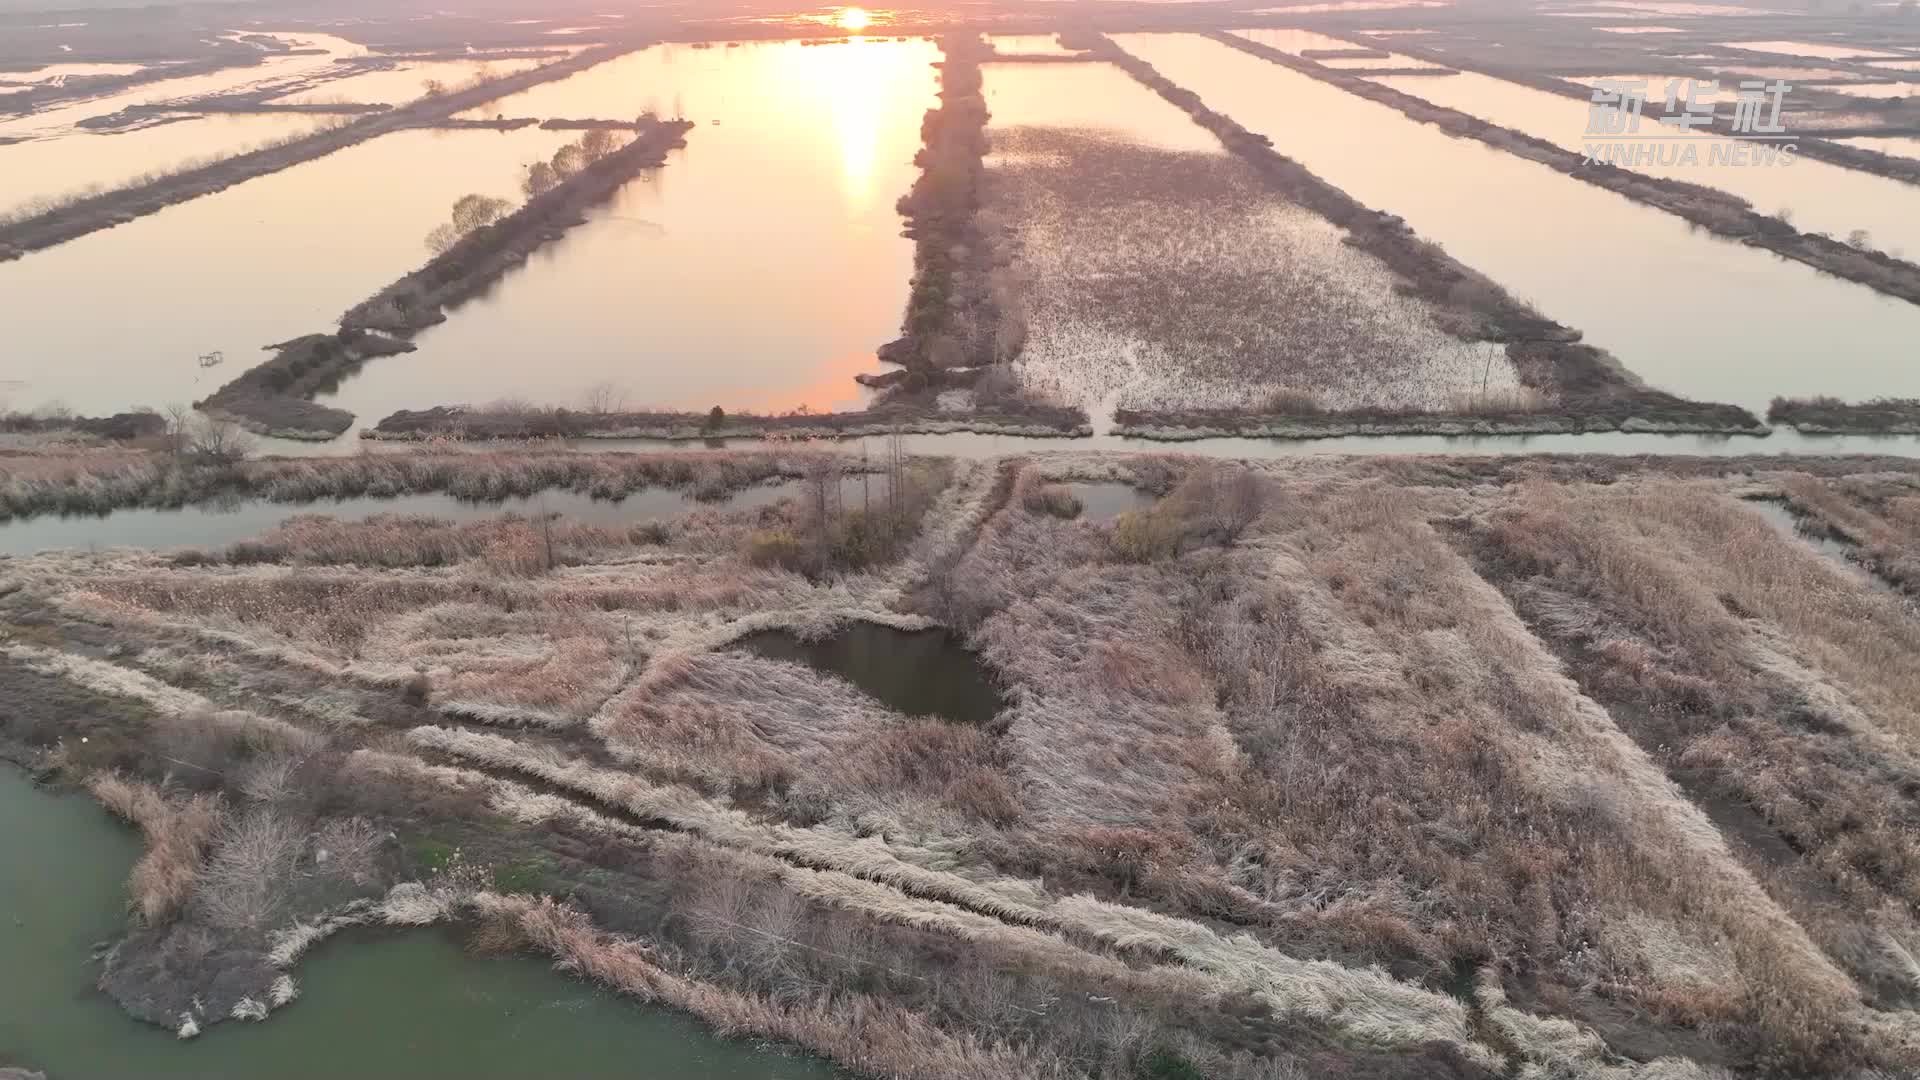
<point x="775" y="547"/>
<point x="1052" y="499"/>
<point x="1146" y="535"/>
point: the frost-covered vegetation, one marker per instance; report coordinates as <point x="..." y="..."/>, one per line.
<point x="1459" y="768"/>
<point x="1161" y="279"/>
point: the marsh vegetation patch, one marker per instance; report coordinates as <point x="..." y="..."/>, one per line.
<point x="1155" y="278"/>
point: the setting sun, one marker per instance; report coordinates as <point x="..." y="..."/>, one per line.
<point x="854" y="19"/>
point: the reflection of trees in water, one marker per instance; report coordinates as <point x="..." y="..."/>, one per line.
<point x="1164" y="279"/>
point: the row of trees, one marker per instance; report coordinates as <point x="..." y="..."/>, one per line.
<point x="568" y="161"/>
<point x="475" y="211"/>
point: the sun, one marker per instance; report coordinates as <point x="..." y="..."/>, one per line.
<point x="853" y="19"/>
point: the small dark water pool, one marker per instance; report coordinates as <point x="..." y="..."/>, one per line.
<point x="1106" y="500"/>
<point x="1788" y="525"/>
<point x="916" y="672"/>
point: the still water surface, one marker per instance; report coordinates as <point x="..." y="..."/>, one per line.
<point x="83" y="160"/>
<point x="1817" y="196"/>
<point x="371" y="1005"/>
<point x="759" y="270"/>
<point x="916" y="672"/>
<point x="1689" y="313"/>
<point x="118" y="318"/>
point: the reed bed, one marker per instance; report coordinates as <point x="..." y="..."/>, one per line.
<point x="1418" y="769"/>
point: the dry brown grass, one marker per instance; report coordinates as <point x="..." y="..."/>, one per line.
<point x="1759" y="675"/>
<point x="1322" y="742"/>
<point x="867" y="1032"/>
<point x="1878" y="515"/>
<point x="99" y="481"/>
<point x="178" y="829"/>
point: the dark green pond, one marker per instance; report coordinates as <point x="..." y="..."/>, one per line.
<point x="916" y="672"/>
<point x="412" y="1005"/>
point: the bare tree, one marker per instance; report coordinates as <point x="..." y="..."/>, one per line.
<point x="212" y="441"/>
<point x="245" y="882"/>
<point x="596" y="144"/>
<point x="569" y="160"/>
<point x="539" y="180"/>
<point x="180" y="420"/>
<point x="470" y="212"/>
<point x="1237" y="502"/>
<point x="603" y="398"/>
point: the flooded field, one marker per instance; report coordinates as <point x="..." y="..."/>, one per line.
<point x="406" y="82"/>
<point x="759" y="270"/>
<point x="58" y="74"/>
<point x="1816" y="196"/>
<point x="367" y="1000"/>
<point x="1588" y="258"/>
<point x="119" y="318"/>
<point x="1815" y="50"/>
<point x="1338" y="6"/>
<point x="1898" y="145"/>
<point x="274" y="70"/>
<point x="1030" y="45"/>
<point x="1155" y="271"/>
<point x="1655" y="82"/>
<point x="1299" y="42"/>
<point x="50" y="168"/>
<point x="1736" y="72"/>
<point x="1874" y="90"/>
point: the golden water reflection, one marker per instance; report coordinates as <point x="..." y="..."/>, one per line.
<point x="759" y="270"/>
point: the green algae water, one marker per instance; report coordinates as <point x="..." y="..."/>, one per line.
<point x="412" y="1005"/>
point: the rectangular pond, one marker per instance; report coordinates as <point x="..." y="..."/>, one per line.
<point x="1817" y="196"/>
<point x="119" y="318"/>
<point x="1689" y="313"/>
<point x="80" y="160"/>
<point x="758" y="271"/>
<point x="1897" y="145"/>
<point x="274" y="70"/>
<point x="406" y="81"/>
<point x="1150" y="269"/>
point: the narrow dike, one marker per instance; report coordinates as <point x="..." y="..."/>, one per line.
<point x="112" y="208"/>
<point x="1593" y="392"/>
